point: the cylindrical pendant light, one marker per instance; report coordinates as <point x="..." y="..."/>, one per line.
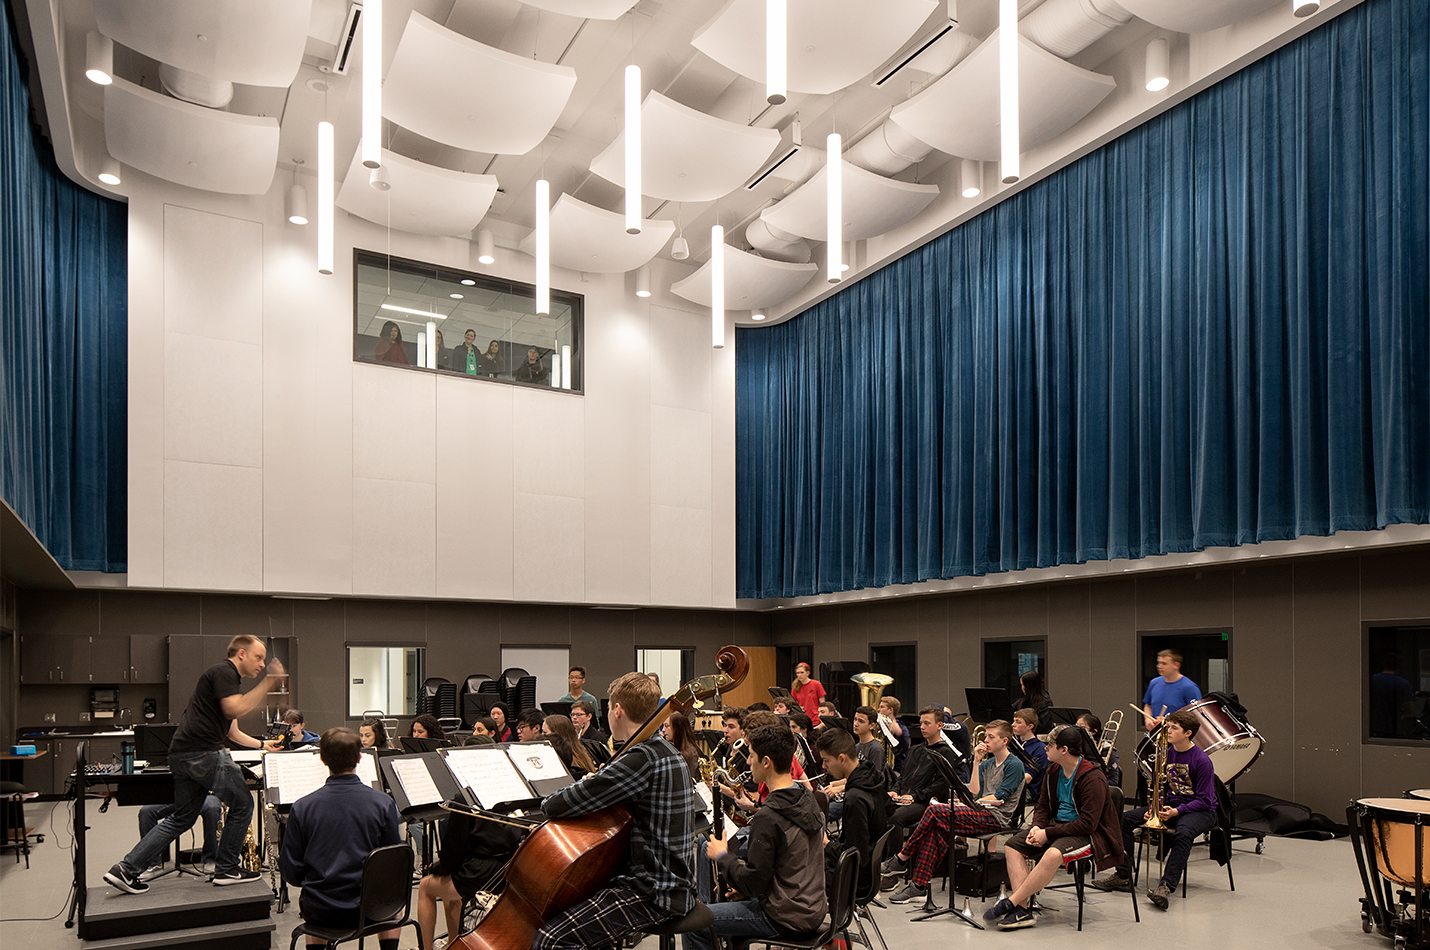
<point x="372" y="83"/>
<point x="1159" y="65"/>
<point x="422" y="349"/>
<point x="775" y="52"/>
<point x="717" y="286"/>
<point x="555" y="368"/>
<point x="1008" y="86"/>
<point x="834" y="208"/>
<point x="98" y="58"/>
<point x="543" y="246"/>
<point x="297" y="204"/>
<point x="643" y="281"/>
<point x="566" y="366"/>
<point x="486" y="248"/>
<point x="109" y="171"/>
<point x="970" y="178"/>
<point x="325" y="197"/>
<point x="431" y="344"/>
<point x="680" y="248"/>
<point x="633" y="149"/>
<point x="1305" y="7"/>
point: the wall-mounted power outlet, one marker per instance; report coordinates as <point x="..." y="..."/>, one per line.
<point x="49" y="717"/>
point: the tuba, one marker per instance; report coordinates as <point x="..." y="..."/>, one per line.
<point x="871" y="689"/>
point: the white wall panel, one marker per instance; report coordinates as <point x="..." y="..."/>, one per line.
<point x="680" y="457"/>
<point x="213" y="526"/>
<point x="680" y="359"/>
<point x="474" y="489"/>
<point x="394" y="424"/>
<point x="213" y="400"/>
<point x="680" y="556"/>
<point x="146" y="394"/>
<point x="213" y="275"/>
<point x="549" y="549"/>
<point x="394" y="538"/>
<point x="549" y="442"/>
<point x="722" y="471"/>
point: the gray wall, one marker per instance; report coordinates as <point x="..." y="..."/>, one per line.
<point x="1296" y="648"/>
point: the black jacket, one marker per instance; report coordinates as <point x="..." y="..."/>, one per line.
<point x="781" y="868"/>
<point x="921" y="779"/>
<point x="865" y="821"/>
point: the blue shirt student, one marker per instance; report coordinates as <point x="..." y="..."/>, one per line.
<point x="1172" y="695"/>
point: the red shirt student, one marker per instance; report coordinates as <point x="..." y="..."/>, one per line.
<point x="807" y="692"/>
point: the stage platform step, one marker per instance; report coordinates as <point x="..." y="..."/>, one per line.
<point x="244" y="935"/>
<point x="171" y="905"/>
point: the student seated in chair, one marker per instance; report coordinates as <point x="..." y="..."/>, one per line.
<point x="1074" y="811"/>
<point x="778" y="889"/>
<point x="865" y="819"/>
<point x="331" y="832"/>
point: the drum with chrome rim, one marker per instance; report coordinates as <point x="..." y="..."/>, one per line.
<point x="1232" y="743"/>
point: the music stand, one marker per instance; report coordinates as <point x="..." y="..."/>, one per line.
<point x="557" y="709"/>
<point x="986" y="704"/>
<point x="413" y="746"/>
<point x="1068" y="715"/>
<point x="930" y="908"/>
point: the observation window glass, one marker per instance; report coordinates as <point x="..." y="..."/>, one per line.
<point x="384" y="679"/>
<point x="434" y="319"/>
<point x="1398" y="683"/>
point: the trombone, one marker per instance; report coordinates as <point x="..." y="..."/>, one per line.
<point x="1154" y="820"/>
<point x="1110" y="729"/>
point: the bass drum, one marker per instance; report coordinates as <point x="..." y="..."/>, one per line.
<point x="1230" y="742"/>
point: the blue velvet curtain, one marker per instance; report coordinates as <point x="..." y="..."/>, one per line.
<point x="63" y="344"/>
<point x="1214" y="330"/>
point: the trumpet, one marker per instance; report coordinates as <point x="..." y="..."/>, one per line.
<point x="1110" y="729"/>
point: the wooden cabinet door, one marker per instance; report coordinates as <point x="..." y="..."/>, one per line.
<point x="37" y="659"/>
<point x="109" y="660"/>
<point x="72" y="659"/>
<point x="148" y="659"/>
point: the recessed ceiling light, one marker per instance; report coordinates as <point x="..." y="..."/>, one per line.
<point x="455" y="296"/>
<point x="98" y="58"/>
<point x="469" y="282"/>
<point x="757" y="316"/>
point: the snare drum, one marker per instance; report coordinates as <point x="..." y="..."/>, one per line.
<point x="1393" y="832"/>
<point x="1230" y="742"/>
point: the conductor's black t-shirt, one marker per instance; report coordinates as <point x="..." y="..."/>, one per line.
<point x="204" y="725"/>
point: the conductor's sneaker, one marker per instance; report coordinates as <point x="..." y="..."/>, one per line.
<point x="209" y="866"/>
<point x="151" y="872"/>
<point x="1003" y="908"/>
<point x="236" y="876"/>
<point x="1113" y="881"/>
<point x="1017" y="919"/>
<point x="909" y="892"/>
<point x="1159" y="895"/>
<point x="125" y="881"/>
<point x="894" y="865"/>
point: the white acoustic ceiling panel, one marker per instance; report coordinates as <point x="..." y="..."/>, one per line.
<point x="255" y="42"/>
<point x="423" y="199"/>
<point x="463" y="93"/>
<point x="751" y="282"/>
<point x="188" y="144"/>
<point x="585" y="9"/>
<point x="1195" y="16"/>
<point x="687" y="155"/>
<point x="958" y="114"/>
<point x="872" y="205"/>
<point x="587" y="238"/>
<point x="832" y="43"/>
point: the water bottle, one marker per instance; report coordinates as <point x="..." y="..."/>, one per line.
<point x="126" y="749"/>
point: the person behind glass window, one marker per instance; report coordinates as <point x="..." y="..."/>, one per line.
<point x="490" y="362"/>
<point x="465" y="358"/>
<point x="444" y="358"/>
<point x="390" y="348"/>
<point x="533" y="370"/>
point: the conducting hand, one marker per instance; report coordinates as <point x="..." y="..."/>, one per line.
<point x="272" y="745"/>
<point x="275" y="667"/>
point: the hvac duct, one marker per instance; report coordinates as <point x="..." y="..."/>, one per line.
<point x="1067" y="27"/>
<point x="777" y="245"/>
<point x="887" y="150"/>
<point x="191" y="87"/>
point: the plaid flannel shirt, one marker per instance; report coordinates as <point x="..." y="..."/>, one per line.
<point x="652" y="782"/>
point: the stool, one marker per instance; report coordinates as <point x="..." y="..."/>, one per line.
<point x="698" y="919"/>
<point x="14" y="796"/>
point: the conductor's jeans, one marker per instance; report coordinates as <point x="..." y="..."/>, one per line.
<point x="196" y="774"/>
<point x="1185" y="830"/>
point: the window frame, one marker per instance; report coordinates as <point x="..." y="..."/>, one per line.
<point x="1365" y="675"/>
<point x="381" y="645"/>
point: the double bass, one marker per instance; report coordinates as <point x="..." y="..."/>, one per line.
<point x="566" y="860"/>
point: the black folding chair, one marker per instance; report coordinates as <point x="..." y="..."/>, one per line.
<point x="864" y="896"/>
<point x="841" y="911"/>
<point x="385" y="904"/>
<point x="1081" y="862"/>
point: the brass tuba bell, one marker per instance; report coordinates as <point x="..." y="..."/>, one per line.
<point x="871" y="689"/>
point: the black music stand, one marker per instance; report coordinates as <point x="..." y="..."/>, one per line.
<point x="557" y="709"/>
<point x="930" y="908"/>
<point x="413" y="746"/>
<point x="1068" y="715"/>
<point x="986" y="704"/>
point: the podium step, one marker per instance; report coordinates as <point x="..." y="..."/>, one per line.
<point x="173" y="904"/>
<point x="244" y="935"/>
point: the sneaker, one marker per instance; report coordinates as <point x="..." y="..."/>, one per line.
<point x="1003" y="908"/>
<point x="151" y="872"/>
<point x="1017" y="919"/>
<point x="908" y="893"/>
<point x="1113" y="882"/>
<point x="125" y="881"/>
<point x="890" y="881"/>
<point x="209" y="866"/>
<point x="894" y="865"/>
<point x="1159" y="895"/>
<point x="236" y="876"/>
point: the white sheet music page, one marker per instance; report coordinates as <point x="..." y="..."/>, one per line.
<point x="537" y="762"/>
<point x="416" y="781"/>
<point x="293" y="774"/>
<point x="367" y="770"/>
<point x="488" y="774"/>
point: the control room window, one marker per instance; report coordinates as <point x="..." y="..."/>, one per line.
<point x="427" y="318"/>
<point x="1397" y="683"/>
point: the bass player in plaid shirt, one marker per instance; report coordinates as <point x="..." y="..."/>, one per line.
<point x="652" y="782"/>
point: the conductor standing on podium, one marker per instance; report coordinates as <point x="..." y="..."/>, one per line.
<point x="201" y="765"/>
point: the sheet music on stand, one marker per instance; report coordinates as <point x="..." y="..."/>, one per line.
<point x="288" y="776"/>
<point x="515" y="772"/>
<point x="419" y="784"/>
<point x="539" y="764"/>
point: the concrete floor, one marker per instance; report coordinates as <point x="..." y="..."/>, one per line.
<point x="1298" y="894"/>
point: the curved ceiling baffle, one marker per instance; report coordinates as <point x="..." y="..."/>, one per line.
<point x="445" y="86"/>
<point x="188" y="144"/>
<point x="694" y="156"/>
<point x="751" y="282"/>
<point x="833" y="43"/>
<point x="587" y="238"/>
<point x="585" y="9"/>
<point x="1198" y="17"/>
<point x="872" y="205"/>
<point x="423" y="199"/>
<point x="958" y="114"/>
<point x="254" y="42"/>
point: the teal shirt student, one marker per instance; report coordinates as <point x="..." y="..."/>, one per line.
<point x="1066" y="810"/>
<point x="568" y="698"/>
